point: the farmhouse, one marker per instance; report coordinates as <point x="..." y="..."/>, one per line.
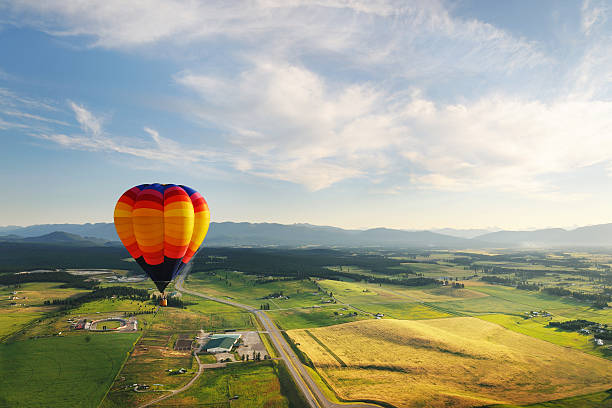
<point x="221" y="343"/>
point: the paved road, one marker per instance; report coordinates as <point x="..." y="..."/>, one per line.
<point x="311" y="391"/>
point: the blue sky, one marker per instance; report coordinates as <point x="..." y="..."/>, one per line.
<point x="349" y="113"/>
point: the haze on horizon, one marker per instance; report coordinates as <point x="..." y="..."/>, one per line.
<point x="433" y="114"/>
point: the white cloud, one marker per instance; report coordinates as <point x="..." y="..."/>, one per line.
<point x="409" y="38"/>
<point x="9" y="98"/>
<point x="94" y="138"/>
<point x="284" y="117"/>
<point x="89" y="123"/>
<point x="23" y="113"/>
<point x="39" y="118"/>
<point x="594" y="13"/>
<point x="288" y="123"/>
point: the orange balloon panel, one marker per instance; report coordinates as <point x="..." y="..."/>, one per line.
<point x="162" y="226"/>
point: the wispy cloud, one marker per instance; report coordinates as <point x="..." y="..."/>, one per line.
<point x="288" y="123"/>
<point x="365" y="111"/>
<point x="12" y="99"/>
<point x="594" y="13"/>
<point x="154" y="148"/>
<point x="24" y="113"/>
<point x="365" y="34"/>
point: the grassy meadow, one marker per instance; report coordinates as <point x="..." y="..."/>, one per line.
<point x="246" y="289"/>
<point x="255" y="384"/>
<point x="435" y="346"/>
<point x="536" y="327"/>
<point x="304" y="318"/>
<point x="459" y="361"/>
<point x="595" y="400"/>
<point x="29" y="304"/>
<point x="60" y="371"/>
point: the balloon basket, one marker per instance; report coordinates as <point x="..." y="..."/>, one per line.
<point x="163" y="302"/>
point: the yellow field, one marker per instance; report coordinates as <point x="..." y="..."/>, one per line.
<point x="461" y="361"/>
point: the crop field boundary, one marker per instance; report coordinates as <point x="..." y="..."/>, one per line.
<point x="443" y="309"/>
<point x="332" y="391"/>
<point x="331" y="353"/>
<point x="129" y="354"/>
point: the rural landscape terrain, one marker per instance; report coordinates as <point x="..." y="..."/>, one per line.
<point x="318" y="326"/>
<point x="305" y="204"/>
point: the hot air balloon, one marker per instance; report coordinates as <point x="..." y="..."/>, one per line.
<point x="162" y="226"/>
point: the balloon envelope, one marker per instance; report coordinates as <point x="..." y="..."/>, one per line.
<point x="162" y="226"/>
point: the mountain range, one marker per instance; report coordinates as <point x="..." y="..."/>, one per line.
<point x="271" y="234"/>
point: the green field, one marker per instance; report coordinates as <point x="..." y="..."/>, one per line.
<point x="537" y="328"/>
<point x="29" y="305"/>
<point x="245" y="289"/>
<point x="111" y="305"/>
<point x="317" y="317"/>
<point x="60" y="364"/>
<point x="373" y="298"/>
<point x="148" y="364"/>
<point x="218" y="316"/>
<point x="507" y="300"/>
<point x="402" y="310"/>
<point x="12" y="320"/>
<point x="61" y="371"/>
<point x="255" y="384"/>
<point x="595" y="400"/>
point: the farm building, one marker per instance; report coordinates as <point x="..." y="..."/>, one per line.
<point x="221" y="343"/>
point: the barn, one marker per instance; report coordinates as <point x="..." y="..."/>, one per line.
<point x="221" y="343"/>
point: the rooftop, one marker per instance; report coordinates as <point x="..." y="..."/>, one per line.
<point x="220" y="342"/>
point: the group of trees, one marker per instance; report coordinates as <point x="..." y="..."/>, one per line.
<point x="294" y="263"/>
<point x="69" y="280"/>
<point x="118" y="292"/>
<point x="283" y="264"/>
<point x="256" y="357"/>
<point x="528" y="286"/>
<point x="599" y="299"/>
<point x="600" y="331"/>
<point x="21" y="256"/>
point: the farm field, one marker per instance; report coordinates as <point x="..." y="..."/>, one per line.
<point x="349" y="292"/>
<point x="317" y="317"/>
<point x="359" y="292"/>
<point x="587" y="313"/>
<point x="402" y="310"/>
<point x="59" y="371"/>
<point x="256" y="384"/>
<point x="244" y="287"/>
<point x="13" y="319"/>
<point x="111" y="305"/>
<point x="431" y="270"/>
<point x="461" y="361"/>
<point x="35" y="293"/>
<point x="595" y="400"/>
<point x="502" y="299"/>
<point x="29" y="303"/>
<point x="148" y="364"/>
<point x="372" y="298"/>
<point x="536" y="327"/>
<point x="217" y="316"/>
<point x="436" y="294"/>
